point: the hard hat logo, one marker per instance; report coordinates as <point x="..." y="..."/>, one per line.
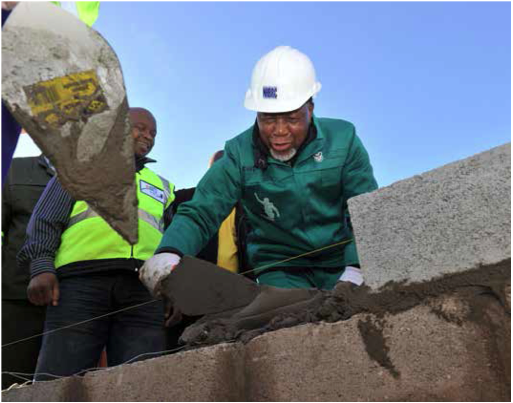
<point x="270" y="92"/>
<point x="287" y="69"/>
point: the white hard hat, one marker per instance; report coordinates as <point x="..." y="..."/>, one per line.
<point x="282" y="81"/>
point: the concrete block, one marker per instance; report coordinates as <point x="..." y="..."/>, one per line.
<point x="451" y="348"/>
<point x="417" y="355"/>
<point x="208" y="374"/>
<point x="451" y="219"/>
<point x="68" y="389"/>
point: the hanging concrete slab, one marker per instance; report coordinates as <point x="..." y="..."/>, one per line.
<point x="63" y="83"/>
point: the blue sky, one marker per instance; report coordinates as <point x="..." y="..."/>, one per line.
<point x="424" y="83"/>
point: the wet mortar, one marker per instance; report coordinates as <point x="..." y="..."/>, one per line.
<point x="482" y="289"/>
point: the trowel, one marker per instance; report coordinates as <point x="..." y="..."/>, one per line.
<point x="63" y="83"/>
<point x="198" y="287"/>
<point x="228" y="301"/>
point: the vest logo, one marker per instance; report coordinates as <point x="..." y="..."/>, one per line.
<point x="270" y="92"/>
<point x="152" y="191"/>
<point x="318" y="157"/>
<point x="269" y="208"/>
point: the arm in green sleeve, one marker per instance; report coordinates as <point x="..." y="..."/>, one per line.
<point x="199" y="219"/>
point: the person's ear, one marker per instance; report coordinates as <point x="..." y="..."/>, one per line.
<point x="310" y="106"/>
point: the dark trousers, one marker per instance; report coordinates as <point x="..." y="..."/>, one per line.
<point x="20" y="319"/>
<point x="125" y="335"/>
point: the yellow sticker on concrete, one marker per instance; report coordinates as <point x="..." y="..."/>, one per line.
<point x="73" y="97"/>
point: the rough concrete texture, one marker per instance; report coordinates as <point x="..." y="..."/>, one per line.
<point x="422" y="357"/>
<point x="62" y="81"/>
<point x="62" y="390"/>
<point x="450" y="349"/>
<point x="209" y="374"/>
<point x="451" y="219"/>
<point x="213" y="374"/>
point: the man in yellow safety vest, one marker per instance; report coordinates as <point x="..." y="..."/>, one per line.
<point x="83" y="270"/>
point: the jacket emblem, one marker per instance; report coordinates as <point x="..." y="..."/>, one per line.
<point x="269" y="208"/>
<point x="318" y="157"/>
<point x="152" y="191"/>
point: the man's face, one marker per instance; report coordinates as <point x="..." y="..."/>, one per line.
<point x="283" y="133"/>
<point x="144" y="131"/>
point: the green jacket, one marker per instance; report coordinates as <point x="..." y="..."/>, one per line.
<point x="291" y="210"/>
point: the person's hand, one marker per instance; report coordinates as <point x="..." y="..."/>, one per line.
<point x="172" y="313"/>
<point x="352" y="275"/>
<point x="155" y="269"/>
<point x="43" y="289"/>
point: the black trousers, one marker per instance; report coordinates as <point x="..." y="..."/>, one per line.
<point x="20" y="319"/>
<point x="131" y="335"/>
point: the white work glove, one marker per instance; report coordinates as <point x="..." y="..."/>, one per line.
<point x="155" y="269"/>
<point x="352" y="275"/>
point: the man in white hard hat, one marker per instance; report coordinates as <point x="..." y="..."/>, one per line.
<point x="293" y="174"/>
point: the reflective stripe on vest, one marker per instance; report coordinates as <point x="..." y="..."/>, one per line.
<point x="89" y="237"/>
<point x="143" y="215"/>
<point x="167" y="186"/>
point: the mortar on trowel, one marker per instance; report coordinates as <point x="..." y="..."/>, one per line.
<point x="197" y="287"/>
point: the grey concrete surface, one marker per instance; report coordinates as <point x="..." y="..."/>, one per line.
<point x="431" y="359"/>
<point x="451" y="219"/>
<point x="209" y="374"/>
<point x="434" y="352"/>
<point x="62" y="390"/>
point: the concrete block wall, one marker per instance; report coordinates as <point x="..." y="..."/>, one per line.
<point x="62" y="390"/>
<point x="454" y="218"/>
<point x="417" y="355"/>
<point x="208" y="374"/>
<point x="414" y="356"/>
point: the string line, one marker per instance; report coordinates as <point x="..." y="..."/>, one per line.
<point x="24" y="375"/>
<point x="298" y="256"/>
<point x="155" y="300"/>
<point x="81" y="323"/>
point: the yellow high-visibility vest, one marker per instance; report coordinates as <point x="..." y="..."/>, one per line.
<point x="89" y="237"/>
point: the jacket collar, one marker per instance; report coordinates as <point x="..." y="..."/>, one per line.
<point x="314" y="146"/>
<point x="140" y="162"/>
